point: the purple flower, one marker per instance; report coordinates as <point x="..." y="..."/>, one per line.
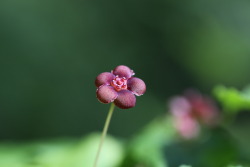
<point x="119" y="86"/>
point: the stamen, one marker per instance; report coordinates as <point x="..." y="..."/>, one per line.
<point x="119" y="83"/>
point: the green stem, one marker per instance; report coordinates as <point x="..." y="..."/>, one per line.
<point x="104" y="132"/>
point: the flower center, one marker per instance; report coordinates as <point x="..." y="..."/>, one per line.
<point x="119" y="83"/>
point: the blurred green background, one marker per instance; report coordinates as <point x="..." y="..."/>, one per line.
<point x="51" y="52"/>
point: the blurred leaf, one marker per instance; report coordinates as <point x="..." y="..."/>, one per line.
<point x="83" y="153"/>
<point x="146" y="148"/>
<point x="63" y="153"/>
<point x="233" y="100"/>
<point x="37" y="153"/>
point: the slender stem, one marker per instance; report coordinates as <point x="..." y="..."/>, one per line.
<point x="104" y="132"/>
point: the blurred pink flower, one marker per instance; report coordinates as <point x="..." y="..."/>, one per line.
<point x="203" y="108"/>
<point x="187" y="126"/>
<point x="119" y="86"/>
<point x="191" y="111"/>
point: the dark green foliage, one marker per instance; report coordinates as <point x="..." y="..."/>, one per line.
<point x="215" y="149"/>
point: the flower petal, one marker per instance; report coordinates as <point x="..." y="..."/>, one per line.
<point x="104" y="78"/>
<point x="106" y="94"/>
<point x="137" y="86"/>
<point x="187" y="127"/>
<point x="123" y="71"/>
<point x="126" y="99"/>
<point x="179" y="106"/>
